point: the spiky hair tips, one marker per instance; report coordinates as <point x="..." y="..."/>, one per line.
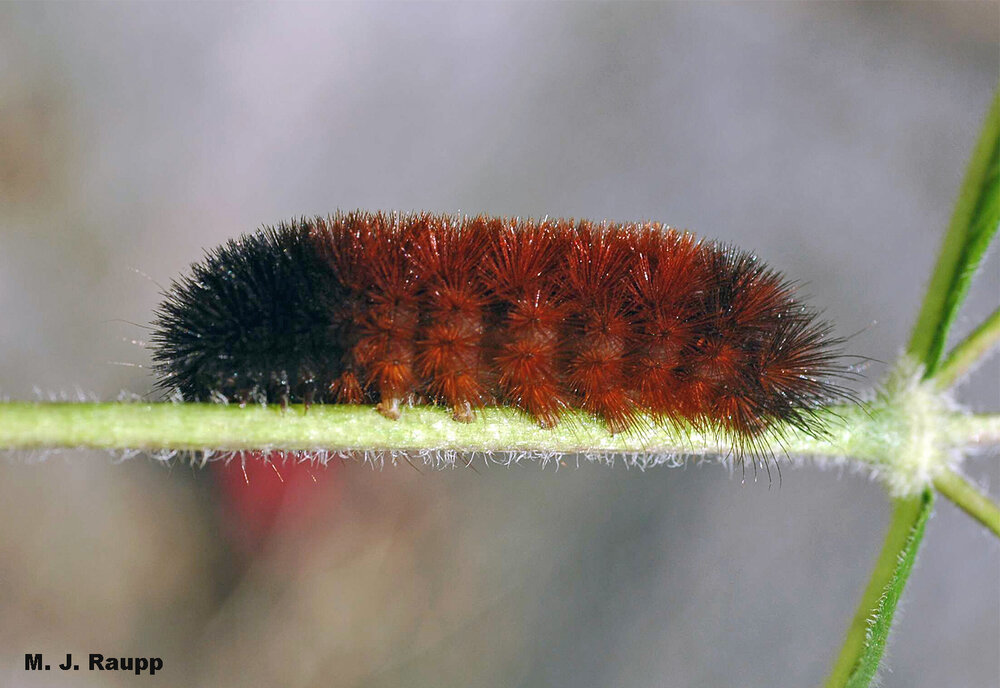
<point x="634" y="323"/>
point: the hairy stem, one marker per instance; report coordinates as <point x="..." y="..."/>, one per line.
<point x="970" y="350"/>
<point x="969" y="499"/>
<point x="904" y="523"/>
<point x="166" y="426"/>
<point x="980" y="430"/>
<point x="973" y="224"/>
<point x="338" y="428"/>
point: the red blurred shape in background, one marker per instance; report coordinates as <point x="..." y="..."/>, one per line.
<point x="264" y="494"/>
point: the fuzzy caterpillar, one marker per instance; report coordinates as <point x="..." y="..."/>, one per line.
<point x="627" y="321"/>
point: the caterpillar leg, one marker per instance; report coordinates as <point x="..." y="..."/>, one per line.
<point x="462" y="412"/>
<point x="389" y="408"/>
<point x="393" y="377"/>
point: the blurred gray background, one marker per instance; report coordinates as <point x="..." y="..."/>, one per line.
<point x="830" y="138"/>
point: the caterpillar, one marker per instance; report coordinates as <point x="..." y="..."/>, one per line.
<point x="631" y="322"/>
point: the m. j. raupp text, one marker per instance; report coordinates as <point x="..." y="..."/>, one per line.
<point x="97" y="662"/>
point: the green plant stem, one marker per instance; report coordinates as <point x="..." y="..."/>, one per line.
<point x="980" y="430"/>
<point x="970" y="350"/>
<point x="903" y="523"/>
<point x="972" y="226"/>
<point x="969" y="499"/>
<point x="167" y="426"/>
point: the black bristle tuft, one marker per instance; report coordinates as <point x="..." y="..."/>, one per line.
<point x="251" y="322"/>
